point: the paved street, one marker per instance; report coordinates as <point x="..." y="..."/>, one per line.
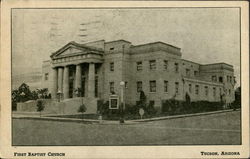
<point x="222" y="128"/>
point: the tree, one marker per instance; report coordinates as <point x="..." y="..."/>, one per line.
<point x="188" y="100"/>
<point x="142" y="99"/>
<point x="40" y="106"/>
<point x="82" y="109"/>
<point x="42" y="93"/>
<point x="24" y="92"/>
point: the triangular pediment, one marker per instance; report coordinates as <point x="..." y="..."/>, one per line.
<point x="69" y="49"/>
<point x="73" y="48"/>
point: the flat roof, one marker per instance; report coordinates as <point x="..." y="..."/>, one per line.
<point x="156" y="43"/>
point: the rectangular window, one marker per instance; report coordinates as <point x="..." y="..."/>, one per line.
<point x="214" y="91"/>
<point x="126" y="84"/>
<point x="111" y="66"/>
<point x="195" y="73"/>
<point x="206" y="90"/>
<point x="111" y="48"/>
<point x="230" y="79"/>
<point x="220" y="91"/>
<point x="139" y="86"/>
<point x="187" y="72"/>
<point x="229" y="91"/>
<point x="176" y="67"/>
<point x="112" y="87"/>
<point x="165" y="64"/>
<point x="165" y="86"/>
<point x="176" y="87"/>
<point x="197" y="89"/>
<point x="152" y="64"/>
<point x="139" y="66"/>
<point x="152" y="85"/>
<point x="214" y="78"/>
<point x="46" y="76"/>
<point x="190" y="88"/>
<point x="152" y="102"/>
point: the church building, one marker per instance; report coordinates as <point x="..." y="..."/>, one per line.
<point x="93" y="71"/>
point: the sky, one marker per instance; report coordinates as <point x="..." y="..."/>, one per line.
<point x="205" y="35"/>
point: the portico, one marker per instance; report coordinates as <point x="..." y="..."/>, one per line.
<point x="74" y="71"/>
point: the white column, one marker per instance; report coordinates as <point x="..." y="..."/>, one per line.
<point x="78" y="77"/>
<point x="66" y="82"/>
<point x="54" y="83"/>
<point x="91" y="80"/>
<point x="60" y="79"/>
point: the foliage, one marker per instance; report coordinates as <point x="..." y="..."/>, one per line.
<point x="184" y="107"/>
<point x="40" y="106"/>
<point x="23" y="94"/>
<point x="82" y="109"/>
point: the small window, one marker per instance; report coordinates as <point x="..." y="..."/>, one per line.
<point x="229" y="91"/>
<point x="190" y="88"/>
<point x="196" y="89"/>
<point x="165" y="86"/>
<point x="187" y="72"/>
<point x="112" y="87"/>
<point x="195" y="73"/>
<point x="220" y="79"/>
<point x="139" y="86"/>
<point x="214" y="91"/>
<point x="46" y="76"/>
<point x="206" y="90"/>
<point x="111" y="48"/>
<point x="126" y="84"/>
<point x="139" y="66"/>
<point x="176" y="67"/>
<point x="177" y="87"/>
<point x="152" y="102"/>
<point x="230" y="79"/>
<point x="214" y="78"/>
<point x="165" y="64"/>
<point x="152" y="64"/>
<point x="111" y="66"/>
<point x="152" y="85"/>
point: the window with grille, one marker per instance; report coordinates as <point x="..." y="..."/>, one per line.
<point x="197" y="89"/>
<point x="112" y="87"/>
<point x="165" y="86"/>
<point x="176" y="87"/>
<point x="206" y="90"/>
<point x="152" y="86"/>
<point x="190" y="88"/>
<point x="46" y="76"/>
<point x="139" y="86"/>
<point x="176" y="67"/>
<point x="111" y="66"/>
<point x="165" y="64"/>
<point x="152" y="64"/>
<point x="139" y="66"/>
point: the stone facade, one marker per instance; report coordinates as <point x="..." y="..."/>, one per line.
<point x="96" y="69"/>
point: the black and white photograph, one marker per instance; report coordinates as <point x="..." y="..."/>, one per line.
<point x="128" y="76"/>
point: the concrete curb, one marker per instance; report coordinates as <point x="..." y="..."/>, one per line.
<point x="112" y="122"/>
<point x="184" y="115"/>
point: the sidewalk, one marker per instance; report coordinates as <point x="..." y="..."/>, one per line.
<point x="36" y="116"/>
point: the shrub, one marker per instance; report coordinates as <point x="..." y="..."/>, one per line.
<point x="182" y="107"/>
<point x="40" y="106"/>
<point x="150" y="109"/>
<point x="82" y="109"/>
